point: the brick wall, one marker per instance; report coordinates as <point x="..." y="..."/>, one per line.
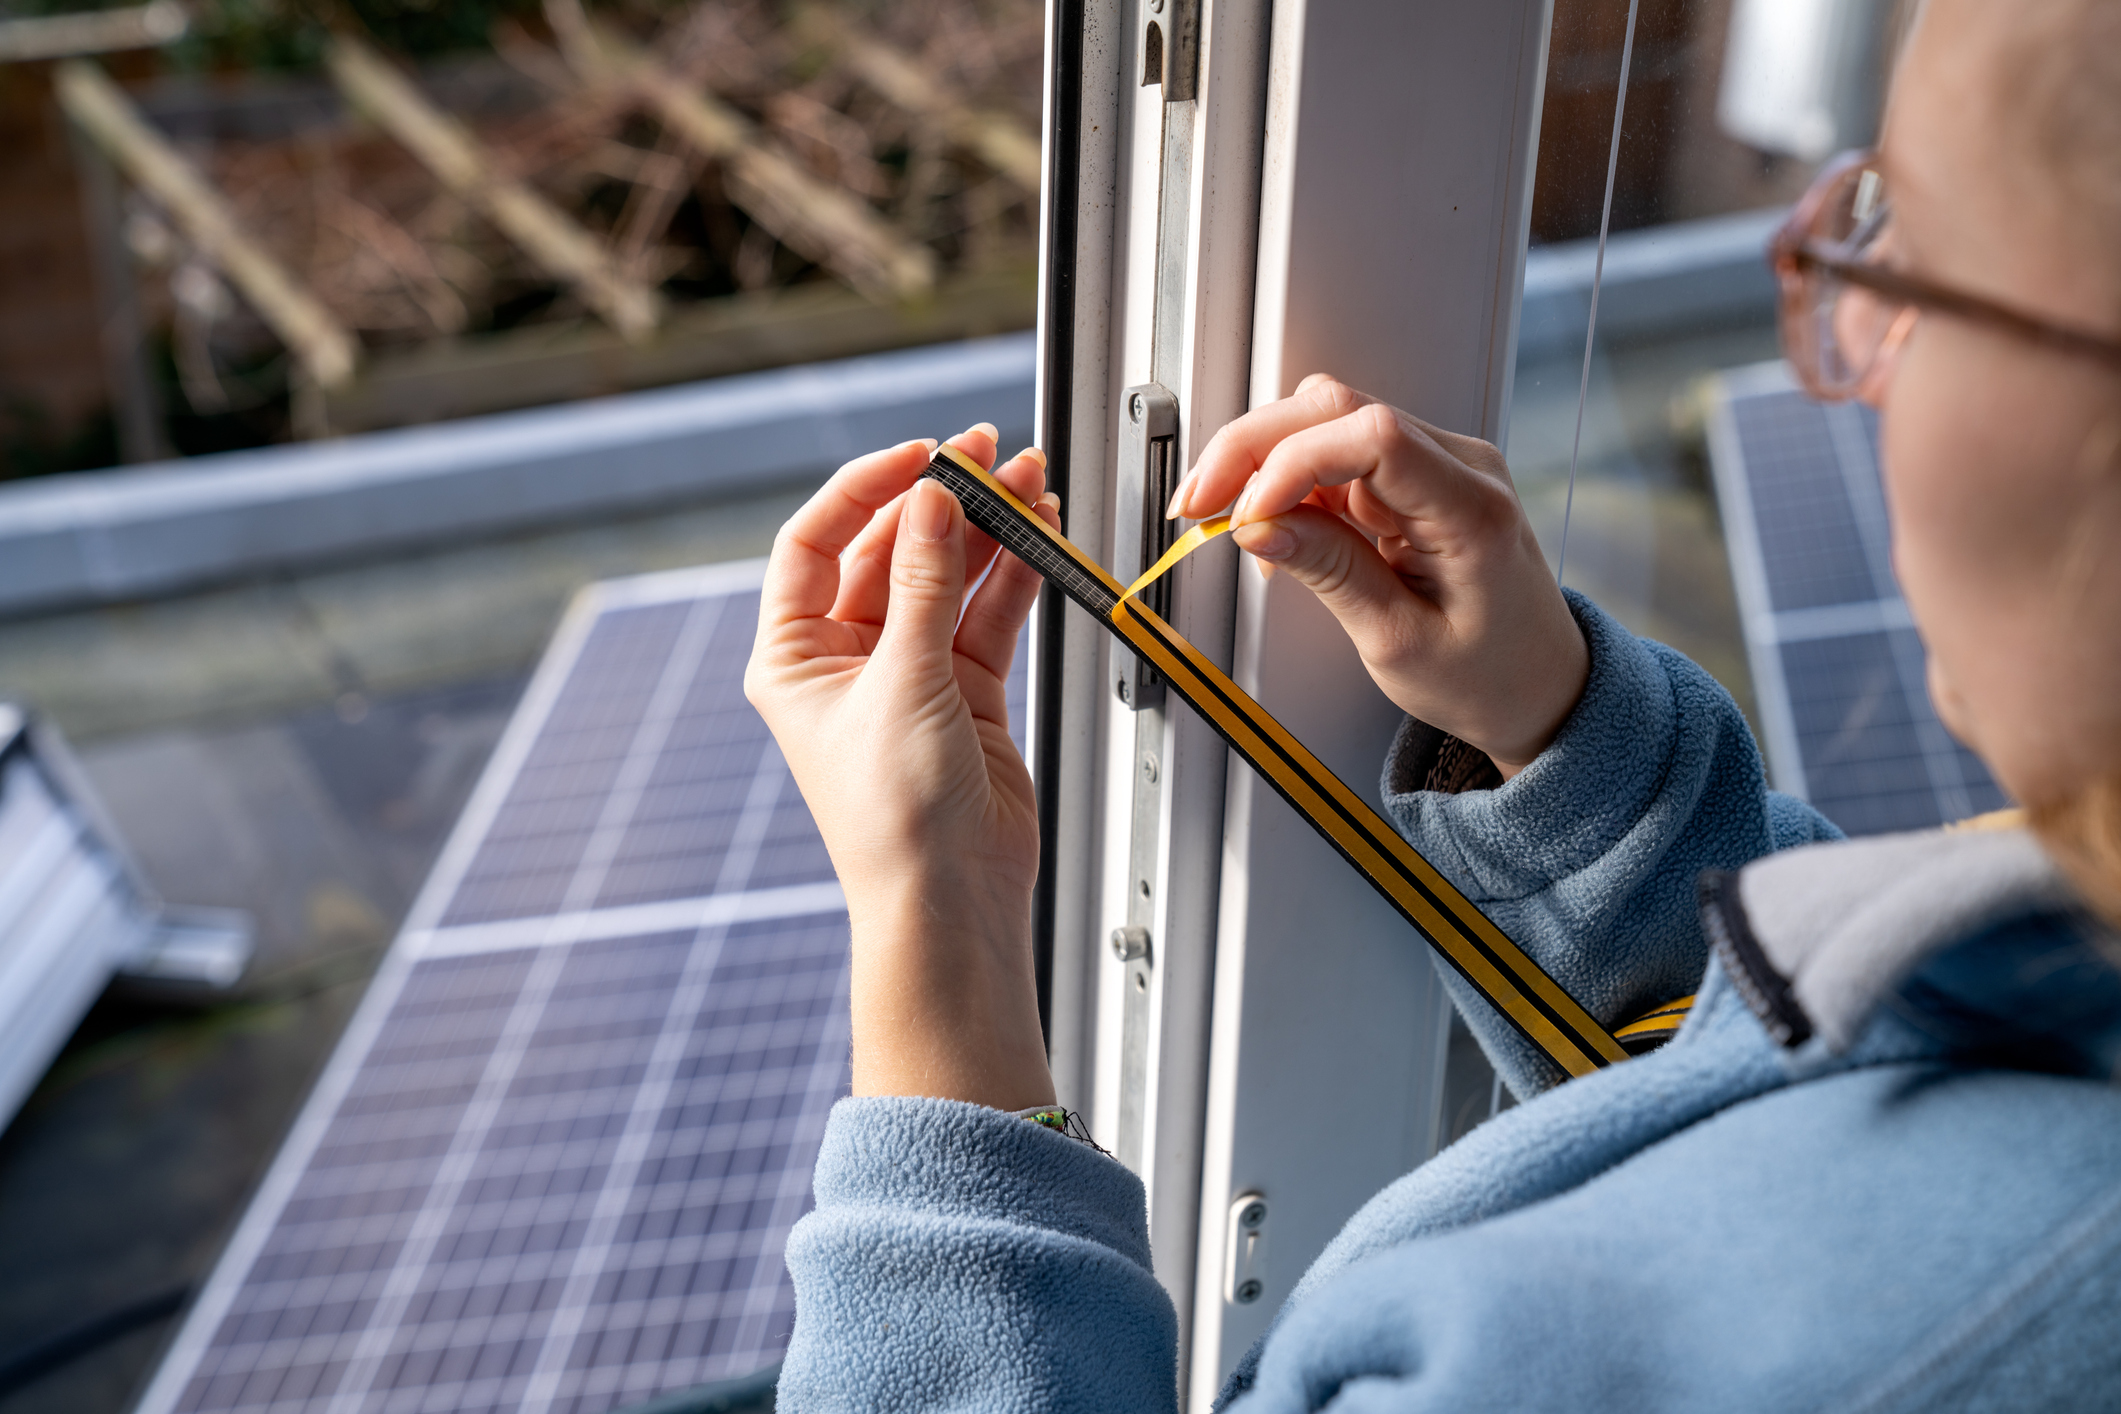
<point x="49" y="353"/>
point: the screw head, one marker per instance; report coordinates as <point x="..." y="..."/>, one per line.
<point x="1137" y="407"/>
<point x="1149" y="767"/>
<point x="1253" y="1215"/>
<point x="1248" y="1291"/>
<point x="1124" y="694"/>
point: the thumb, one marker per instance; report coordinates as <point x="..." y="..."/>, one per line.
<point x="927" y="582"/>
<point x="1333" y="560"/>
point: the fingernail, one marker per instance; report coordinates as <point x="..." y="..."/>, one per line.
<point x="1050" y="499"/>
<point x="930" y="443"/>
<point x="1178" y="497"/>
<point x="1035" y="454"/>
<point x="928" y="512"/>
<point x="1267" y="540"/>
<point x="994" y="434"/>
<point x="1244" y="503"/>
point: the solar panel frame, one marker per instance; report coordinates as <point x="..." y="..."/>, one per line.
<point x="76" y="910"/>
<point x="791" y="916"/>
<point x="1803" y="507"/>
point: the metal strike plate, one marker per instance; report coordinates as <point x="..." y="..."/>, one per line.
<point x="1171" y="47"/>
<point x="1245" y="1250"/>
<point x="1148" y="474"/>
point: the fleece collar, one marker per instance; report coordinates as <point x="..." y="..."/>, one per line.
<point x="1818" y="937"/>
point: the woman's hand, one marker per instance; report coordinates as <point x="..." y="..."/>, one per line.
<point x="1415" y="539"/>
<point x="888" y="704"/>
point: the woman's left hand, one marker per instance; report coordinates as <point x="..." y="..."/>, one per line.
<point x="884" y="688"/>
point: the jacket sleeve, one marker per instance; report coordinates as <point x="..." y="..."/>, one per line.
<point x="964" y="1259"/>
<point x="1587" y="858"/>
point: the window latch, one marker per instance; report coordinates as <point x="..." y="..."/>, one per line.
<point x="1171" y="47"/>
<point x="1148" y="475"/>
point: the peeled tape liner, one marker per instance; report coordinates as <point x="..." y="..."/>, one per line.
<point x="1192" y="540"/>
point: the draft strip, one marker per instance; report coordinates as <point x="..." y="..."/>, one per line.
<point x="1462" y="935"/>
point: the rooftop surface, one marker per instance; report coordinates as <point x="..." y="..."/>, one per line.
<point x="298" y="748"/>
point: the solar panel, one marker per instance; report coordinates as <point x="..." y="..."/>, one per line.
<point x="554" y="1160"/>
<point x="1837" y="667"/>
<point x="75" y="910"/>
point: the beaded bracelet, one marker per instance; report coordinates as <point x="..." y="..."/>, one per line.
<point x="1062" y="1121"/>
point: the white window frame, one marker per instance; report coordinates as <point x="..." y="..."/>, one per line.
<point x="1358" y="203"/>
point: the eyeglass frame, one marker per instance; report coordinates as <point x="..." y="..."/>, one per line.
<point x="1791" y="255"/>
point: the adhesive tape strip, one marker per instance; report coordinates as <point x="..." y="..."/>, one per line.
<point x="1516" y="986"/>
<point x="1192" y="540"/>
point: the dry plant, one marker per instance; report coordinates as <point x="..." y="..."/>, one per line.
<point x="399" y="259"/>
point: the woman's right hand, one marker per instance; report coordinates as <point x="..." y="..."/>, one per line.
<point x="883" y="683"/>
<point x="1415" y="540"/>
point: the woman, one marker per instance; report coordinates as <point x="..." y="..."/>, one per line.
<point x="1880" y="1167"/>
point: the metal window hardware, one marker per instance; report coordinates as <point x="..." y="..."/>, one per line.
<point x="1148" y="474"/>
<point x="1171" y="47"/>
<point x="1244" y="1250"/>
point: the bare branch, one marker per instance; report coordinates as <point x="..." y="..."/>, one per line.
<point x="457" y="159"/>
<point x="323" y="347"/>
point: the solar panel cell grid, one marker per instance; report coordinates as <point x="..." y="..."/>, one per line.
<point x="673" y="845"/>
<point x="1809" y="536"/>
<point x="1838" y="670"/>
<point x="594" y="729"/>
<point x="1868" y="770"/>
<point x="555" y="1162"/>
<point x="562" y="1242"/>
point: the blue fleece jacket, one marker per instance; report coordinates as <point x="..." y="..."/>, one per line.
<point x="1913" y="1204"/>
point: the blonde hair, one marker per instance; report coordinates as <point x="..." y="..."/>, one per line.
<point x="2083" y="833"/>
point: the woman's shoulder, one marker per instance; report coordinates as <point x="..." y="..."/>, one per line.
<point x="1893" y="1234"/>
<point x="1896" y="1197"/>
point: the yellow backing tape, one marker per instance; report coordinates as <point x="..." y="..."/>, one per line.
<point x="1192" y="540"/>
<point x="1660" y="1024"/>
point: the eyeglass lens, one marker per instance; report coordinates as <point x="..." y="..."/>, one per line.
<point x="1848" y="325"/>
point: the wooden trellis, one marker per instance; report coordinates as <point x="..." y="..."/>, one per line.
<point x="368" y="254"/>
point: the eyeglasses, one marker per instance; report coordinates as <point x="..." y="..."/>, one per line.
<point x="1846" y="313"/>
